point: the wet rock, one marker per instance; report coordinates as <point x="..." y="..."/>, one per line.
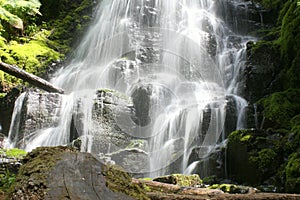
<point x="39" y="110"/>
<point x="6" y="108"/>
<point x="234" y="189"/>
<point x="239" y="167"/>
<point x="231" y="116"/>
<point x="242" y="16"/>
<point x="134" y="160"/>
<point x="141" y="100"/>
<point x="109" y="133"/>
<point x="262" y="66"/>
<point x="211" y="165"/>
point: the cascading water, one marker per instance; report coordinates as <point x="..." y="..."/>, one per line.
<point x="181" y="52"/>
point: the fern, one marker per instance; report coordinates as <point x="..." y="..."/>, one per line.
<point x="12" y="11"/>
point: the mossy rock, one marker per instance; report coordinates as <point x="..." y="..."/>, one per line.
<point x="279" y="108"/>
<point x="120" y="181"/>
<point x="64" y="173"/>
<point x="14" y="153"/>
<point x="231" y="188"/>
<point x="35" y="169"/>
<point x="180" y="179"/>
<point x="292" y="172"/>
<point x="265" y="160"/>
<point x="239" y="150"/>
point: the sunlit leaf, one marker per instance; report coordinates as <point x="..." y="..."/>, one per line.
<point x="12" y="19"/>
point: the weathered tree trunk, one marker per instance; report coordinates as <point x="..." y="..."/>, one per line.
<point x="30" y="78"/>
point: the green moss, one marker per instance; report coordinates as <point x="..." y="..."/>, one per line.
<point x="15" y="153"/>
<point x="2" y="95"/>
<point x="295" y="121"/>
<point x="281" y="107"/>
<point x="39" y="47"/>
<point x="289" y="40"/>
<point x="119" y="181"/>
<point x="293" y="173"/>
<point x="136" y="144"/>
<point x="68" y="26"/>
<point x="180" y="179"/>
<point x="36" y="166"/>
<point x="147" y="179"/>
<point x="33" y="56"/>
<point x="243" y="136"/>
<point x="265" y="159"/>
<point x="230" y="188"/>
<point x="210" y="180"/>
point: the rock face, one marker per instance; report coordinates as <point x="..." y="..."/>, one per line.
<point x="36" y="110"/>
<point x="262" y="67"/>
<point x="264" y="158"/>
<point x="107" y="133"/>
<point x="6" y="108"/>
<point x="62" y="173"/>
<point x="106" y="129"/>
<point x="242" y="16"/>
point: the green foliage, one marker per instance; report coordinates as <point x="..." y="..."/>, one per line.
<point x="15" y="153"/>
<point x="44" y="39"/>
<point x="230" y="188"/>
<point x="180" y="179"/>
<point x="15" y="11"/>
<point x="293" y="173"/>
<point x="69" y="18"/>
<point x="33" y="56"/>
<point x="2" y="95"/>
<point x="264" y="159"/>
<point x="281" y="107"/>
<point x="289" y="40"/>
<point x="7" y="179"/>
<point x="243" y="136"/>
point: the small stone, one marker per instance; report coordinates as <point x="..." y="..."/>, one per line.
<point x="30" y="183"/>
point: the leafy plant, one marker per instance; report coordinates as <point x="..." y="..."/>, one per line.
<point x="15" y="153"/>
<point x="12" y="11"/>
<point x="6" y="180"/>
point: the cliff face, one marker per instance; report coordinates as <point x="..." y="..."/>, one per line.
<point x="274" y="60"/>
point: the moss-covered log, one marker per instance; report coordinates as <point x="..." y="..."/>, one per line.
<point x="30" y="78"/>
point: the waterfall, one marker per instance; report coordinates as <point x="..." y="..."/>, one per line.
<point x="181" y="52"/>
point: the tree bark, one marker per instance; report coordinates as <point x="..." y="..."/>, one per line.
<point x="30" y="78"/>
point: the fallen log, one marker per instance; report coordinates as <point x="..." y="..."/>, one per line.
<point x="30" y="78"/>
<point x="175" y="189"/>
<point x="164" y="191"/>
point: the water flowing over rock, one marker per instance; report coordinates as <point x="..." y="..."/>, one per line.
<point x="173" y="69"/>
